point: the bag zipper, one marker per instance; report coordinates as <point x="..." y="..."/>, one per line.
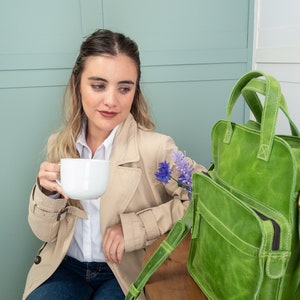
<point x="276" y="227"/>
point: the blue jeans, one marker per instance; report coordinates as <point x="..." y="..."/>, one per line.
<point x="79" y="280"/>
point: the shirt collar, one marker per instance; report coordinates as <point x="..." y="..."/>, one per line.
<point x="81" y="144"/>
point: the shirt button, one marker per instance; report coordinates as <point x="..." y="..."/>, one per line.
<point x="37" y="259"/>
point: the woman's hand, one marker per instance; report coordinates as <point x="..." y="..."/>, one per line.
<point x="47" y="176"/>
<point x="114" y="244"/>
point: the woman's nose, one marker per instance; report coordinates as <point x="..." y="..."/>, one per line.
<point x="110" y="98"/>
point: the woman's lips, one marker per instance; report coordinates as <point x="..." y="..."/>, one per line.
<point x="107" y="114"/>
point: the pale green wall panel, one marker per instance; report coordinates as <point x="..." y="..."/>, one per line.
<point x="39" y="27"/>
<point x="34" y="78"/>
<point x="186" y="101"/>
<point x="91" y="16"/>
<point x="27" y="117"/>
<point x="184" y="114"/>
<point x="39" y="34"/>
<point x="177" y="24"/>
<point x="191" y="56"/>
<point x="192" y="72"/>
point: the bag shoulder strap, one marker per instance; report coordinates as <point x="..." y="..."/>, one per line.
<point x="179" y="230"/>
<point x="257" y="85"/>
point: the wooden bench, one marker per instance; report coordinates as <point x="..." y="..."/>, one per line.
<point x="171" y="280"/>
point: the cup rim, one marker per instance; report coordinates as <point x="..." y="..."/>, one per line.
<point x="86" y="159"/>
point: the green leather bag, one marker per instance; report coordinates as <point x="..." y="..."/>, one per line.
<point x="244" y="212"/>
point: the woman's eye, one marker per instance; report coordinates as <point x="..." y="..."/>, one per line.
<point x="124" y="90"/>
<point x="98" y="86"/>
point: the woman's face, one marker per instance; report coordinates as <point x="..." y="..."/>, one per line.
<point x="107" y="87"/>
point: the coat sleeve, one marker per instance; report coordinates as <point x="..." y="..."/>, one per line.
<point x="45" y="214"/>
<point x="141" y="228"/>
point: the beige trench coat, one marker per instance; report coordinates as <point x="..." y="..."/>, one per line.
<point x="145" y="207"/>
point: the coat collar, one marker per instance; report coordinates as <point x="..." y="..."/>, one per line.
<point x="125" y="149"/>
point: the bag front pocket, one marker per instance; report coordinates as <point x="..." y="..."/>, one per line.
<point x="229" y="243"/>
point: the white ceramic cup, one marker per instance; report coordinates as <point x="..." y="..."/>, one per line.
<point x="84" y="179"/>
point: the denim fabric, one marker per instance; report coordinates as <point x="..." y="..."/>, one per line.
<point x="79" y="280"/>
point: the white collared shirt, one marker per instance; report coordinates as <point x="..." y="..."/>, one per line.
<point x="86" y="244"/>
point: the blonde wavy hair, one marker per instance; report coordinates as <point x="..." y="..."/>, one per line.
<point x="101" y="42"/>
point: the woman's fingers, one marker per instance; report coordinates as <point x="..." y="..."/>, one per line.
<point x="113" y="244"/>
<point x="120" y="252"/>
<point x="48" y="175"/>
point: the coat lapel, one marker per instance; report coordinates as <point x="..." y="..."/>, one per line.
<point x="124" y="174"/>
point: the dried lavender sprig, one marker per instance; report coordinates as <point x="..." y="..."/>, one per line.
<point x="184" y="168"/>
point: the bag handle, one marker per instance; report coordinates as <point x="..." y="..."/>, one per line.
<point x="249" y="93"/>
<point x="180" y="229"/>
<point x="269" y="114"/>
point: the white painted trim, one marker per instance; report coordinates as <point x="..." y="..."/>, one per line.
<point x="278" y="55"/>
<point x="255" y="31"/>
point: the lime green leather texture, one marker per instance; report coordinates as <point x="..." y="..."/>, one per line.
<point x="245" y="242"/>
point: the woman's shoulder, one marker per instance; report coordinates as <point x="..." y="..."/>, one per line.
<point x="155" y="145"/>
<point x="153" y="137"/>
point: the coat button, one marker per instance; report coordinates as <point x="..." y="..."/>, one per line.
<point x="37" y="259"/>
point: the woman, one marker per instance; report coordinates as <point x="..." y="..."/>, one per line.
<point x="94" y="249"/>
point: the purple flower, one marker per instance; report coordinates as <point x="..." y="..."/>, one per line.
<point x="164" y="172"/>
<point x="185" y="170"/>
<point x="182" y="166"/>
